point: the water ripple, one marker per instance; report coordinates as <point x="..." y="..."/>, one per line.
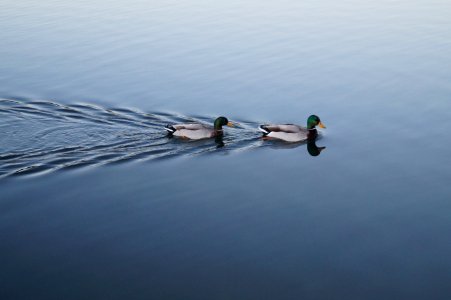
<point x="43" y="136"/>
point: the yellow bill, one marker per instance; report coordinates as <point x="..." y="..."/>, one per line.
<point x="230" y="124"/>
<point x="321" y="125"/>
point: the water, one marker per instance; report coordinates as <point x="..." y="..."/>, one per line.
<point x="97" y="202"/>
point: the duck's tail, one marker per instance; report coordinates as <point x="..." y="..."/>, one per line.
<point x="170" y="129"/>
<point x="263" y="129"/>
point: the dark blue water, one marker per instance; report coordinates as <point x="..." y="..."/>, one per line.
<point x="96" y="202"/>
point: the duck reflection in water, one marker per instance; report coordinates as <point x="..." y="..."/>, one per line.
<point x="312" y="148"/>
<point x="219" y="140"/>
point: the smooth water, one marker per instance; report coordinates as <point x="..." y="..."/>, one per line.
<point x="96" y="202"/>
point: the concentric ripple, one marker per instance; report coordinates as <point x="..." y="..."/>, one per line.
<point x="42" y="136"/>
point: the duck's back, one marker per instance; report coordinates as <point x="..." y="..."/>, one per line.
<point x="190" y="126"/>
<point x="289" y="128"/>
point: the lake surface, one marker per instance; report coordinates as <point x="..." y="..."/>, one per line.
<point x="96" y="202"/>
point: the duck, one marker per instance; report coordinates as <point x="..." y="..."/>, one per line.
<point x="197" y="131"/>
<point x="291" y="132"/>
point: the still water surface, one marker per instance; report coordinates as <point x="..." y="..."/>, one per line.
<point x="96" y="202"/>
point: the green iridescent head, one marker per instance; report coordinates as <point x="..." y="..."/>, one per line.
<point x="314" y="121"/>
<point x="221" y="121"/>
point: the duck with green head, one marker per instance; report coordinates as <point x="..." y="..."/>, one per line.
<point x="197" y="131"/>
<point x="291" y="132"/>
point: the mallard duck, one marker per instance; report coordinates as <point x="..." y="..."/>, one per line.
<point x="293" y="133"/>
<point x="197" y="131"/>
